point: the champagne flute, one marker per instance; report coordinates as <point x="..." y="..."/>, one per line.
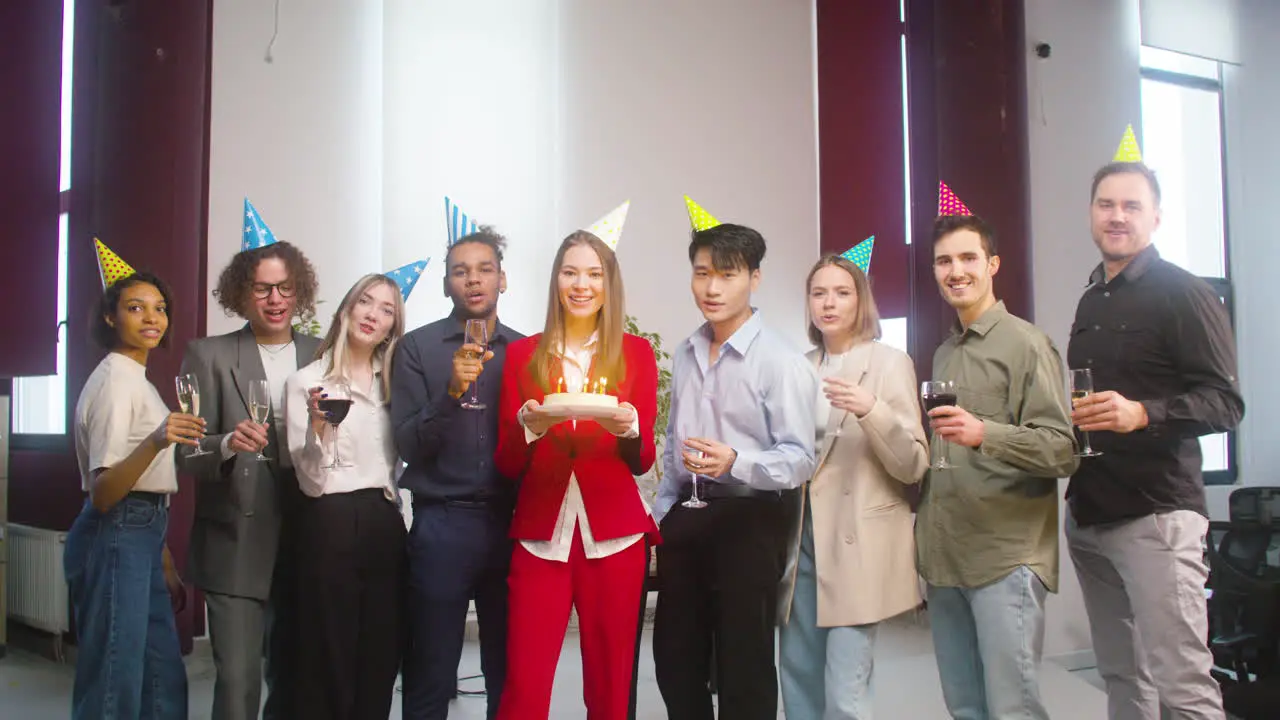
<point x="936" y="394"/>
<point x="477" y="333"/>
<point x="1081" y="388"/>
<point x="189" y="400"/>
<point x="336" y="403"/>
<point x="694" y="501"/>
<point x="260" y="405"/>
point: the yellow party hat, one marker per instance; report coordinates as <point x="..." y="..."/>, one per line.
<point x="699" y="218"/>
<point x="1128" y="150"/>
<point x="609" y="227"/>
<point x="110" y="267"/>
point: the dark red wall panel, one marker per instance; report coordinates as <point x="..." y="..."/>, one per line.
<point x="30" y="95"/>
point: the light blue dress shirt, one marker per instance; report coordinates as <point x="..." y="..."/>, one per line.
<point x="758" y="398"/>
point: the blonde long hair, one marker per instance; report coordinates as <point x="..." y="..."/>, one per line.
<point x="335" y="342"/>
<point x="610" y="321"/>
<point x="866" y="319"/>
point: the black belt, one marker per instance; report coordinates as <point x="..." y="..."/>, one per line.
<point x="464" y="501"/>
<point x="157" y="499"/>
<point x="714" y="490"/>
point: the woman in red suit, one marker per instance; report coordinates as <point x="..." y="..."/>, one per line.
<point x="580" y="522"/>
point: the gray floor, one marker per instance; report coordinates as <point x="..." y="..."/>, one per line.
<point x="906" y="683"/>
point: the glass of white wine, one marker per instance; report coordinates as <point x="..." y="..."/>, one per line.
<point x="476" y="333"/>
<point x="260" y="405"/>
<point x="189" y="400"/>
<point x="1081" y="388"/>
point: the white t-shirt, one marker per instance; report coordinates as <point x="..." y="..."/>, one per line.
<point x="118" y="408"/>
<point x="829" y="366"/>
<point x="279" y="362"/>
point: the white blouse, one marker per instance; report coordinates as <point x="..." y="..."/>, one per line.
<point x="118" y="408"/>
<point x="364" y="438"/>
<point x="573" y="513"/>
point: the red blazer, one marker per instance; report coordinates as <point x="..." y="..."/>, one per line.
<point x="604" y="464"/>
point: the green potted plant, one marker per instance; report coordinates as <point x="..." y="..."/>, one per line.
<point x="650" y="484"/>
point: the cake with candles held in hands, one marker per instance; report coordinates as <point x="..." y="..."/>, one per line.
<point x="595" y="395"/>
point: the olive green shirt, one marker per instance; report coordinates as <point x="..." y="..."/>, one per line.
<point x="998" y="507"/>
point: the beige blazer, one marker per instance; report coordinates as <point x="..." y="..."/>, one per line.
<point x="863" y="538"/>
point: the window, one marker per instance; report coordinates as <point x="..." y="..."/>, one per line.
<point x="1182" y="142"/>
<point x="40" y="403"/>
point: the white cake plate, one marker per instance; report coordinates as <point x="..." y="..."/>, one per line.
<point x="581" y="412"/>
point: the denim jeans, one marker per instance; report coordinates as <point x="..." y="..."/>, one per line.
<point x="825" y="672"/>
<point x="988" y="642"/>
<point x="129" y="664"/>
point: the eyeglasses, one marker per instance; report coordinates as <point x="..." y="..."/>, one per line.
<point x="262" y="291"/>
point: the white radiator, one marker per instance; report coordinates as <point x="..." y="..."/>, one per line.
<point x="37" y="588"/>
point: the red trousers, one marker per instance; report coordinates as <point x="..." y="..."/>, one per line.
<point x="606" y="593"/>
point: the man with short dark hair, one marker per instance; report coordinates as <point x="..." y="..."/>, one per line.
<point x="987" y="527"/>
<point x="458" y="545"/>
<point x="241" y="539"/>
<point x="1159" y="344"/>
<point x="742" y="425"/>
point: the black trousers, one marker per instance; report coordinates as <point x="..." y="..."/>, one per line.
<point x="351" y="575"/>
<point x="718" y="574"/>
<point x="458" y="551"/>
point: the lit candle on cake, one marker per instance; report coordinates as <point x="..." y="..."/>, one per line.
<point x="604" y="386"/>
<point x="560" y="385"/>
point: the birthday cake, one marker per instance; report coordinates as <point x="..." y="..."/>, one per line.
<point x="580" y="399"/>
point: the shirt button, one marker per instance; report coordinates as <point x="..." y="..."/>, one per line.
<point x="1089" y="361"/>
<point x="1097" y="327"/>
<point x="1106" y="294"/>
<point x="848" y="539"/>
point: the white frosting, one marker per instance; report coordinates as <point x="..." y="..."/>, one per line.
<point x="579" y="399"/>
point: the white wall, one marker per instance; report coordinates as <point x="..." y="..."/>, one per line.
<point x="536" y="117"/>
<point x="470" y="111"/>
<point x="1252" y="100"/>
<point x="661" y="99"/>
<point x="301" y="136"/>
<point x="1080" y="101"/>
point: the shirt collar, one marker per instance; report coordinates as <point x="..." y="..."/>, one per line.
<point x="1136" y="268"/>
<point x="984" y="323"/>
<point x="740" y="341"/>
<point x="590" y="344"/>
<point x="458" y="330"/>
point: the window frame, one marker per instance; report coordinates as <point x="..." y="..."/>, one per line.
<point x="1223" y="285"/>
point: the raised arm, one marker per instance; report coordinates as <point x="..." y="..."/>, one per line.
<point x="215" y="464"/>
<point x="1040" y="441"/>
<point x="789" y="409"/>
<point x="115" y="466"/>
<point x="307" y="448"/>
<point x="893" y="426"/>
<point x="419" y="412"/>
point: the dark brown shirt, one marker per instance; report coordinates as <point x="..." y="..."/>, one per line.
<point x="1159" y="335"/>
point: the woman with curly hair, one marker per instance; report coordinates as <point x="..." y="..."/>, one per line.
<point x="241" y="536"/>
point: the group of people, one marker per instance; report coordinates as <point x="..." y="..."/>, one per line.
<point x="783" y="515"/>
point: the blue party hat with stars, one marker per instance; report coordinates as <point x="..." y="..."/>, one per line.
<point x="256" y="233"/>
<point x="860" y="254"/>
<point x="406" y="276"/>
<point x="459" y="224"/>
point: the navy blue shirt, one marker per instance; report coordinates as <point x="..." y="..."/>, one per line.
<point x="448" y="449"/>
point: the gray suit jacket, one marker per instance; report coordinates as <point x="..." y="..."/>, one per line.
<point x="240" y="503"/>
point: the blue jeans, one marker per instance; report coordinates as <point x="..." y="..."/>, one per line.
<point x="825" y="672"/>
<point x="129" y="664"/>
<point x="988" y="642"/>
